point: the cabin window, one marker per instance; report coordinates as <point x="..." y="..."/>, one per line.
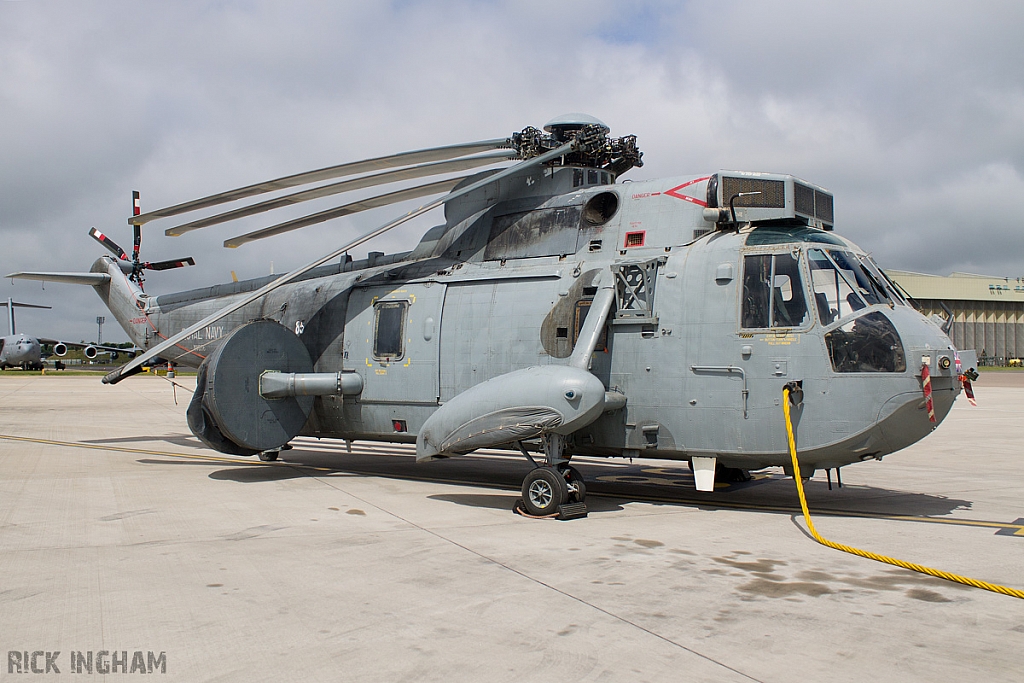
<point x="773" y="294"/>
<point x="389" y="330"/>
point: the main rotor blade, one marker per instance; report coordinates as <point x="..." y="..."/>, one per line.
<point x="351" y="168"/>
<point x="346" y="210"/>
<point x="435" y="168"/>
<point x="167" y="265"/>
<point x="108" y="243"/>
<point x="135" y="364"/>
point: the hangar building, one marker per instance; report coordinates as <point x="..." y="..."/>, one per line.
<point x="988" y="312"/>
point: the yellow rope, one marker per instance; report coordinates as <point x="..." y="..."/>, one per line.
<point x="995" y="588"/>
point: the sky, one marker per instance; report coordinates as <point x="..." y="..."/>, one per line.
<point x="911" y="113"/>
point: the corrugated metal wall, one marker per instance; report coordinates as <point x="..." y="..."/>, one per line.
<point x="994" y="329"/>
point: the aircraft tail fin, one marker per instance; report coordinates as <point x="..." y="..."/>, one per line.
<point x="11" y="304"/>
<point x="69" y="278"/>
<point x="120" y="295"/>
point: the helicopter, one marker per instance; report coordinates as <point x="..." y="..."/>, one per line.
<point x="558" y="310"/>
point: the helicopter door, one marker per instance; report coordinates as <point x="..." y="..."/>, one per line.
<point x="391" y="340"/>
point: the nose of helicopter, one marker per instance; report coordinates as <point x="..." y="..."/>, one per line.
<point x="903" y="418"/>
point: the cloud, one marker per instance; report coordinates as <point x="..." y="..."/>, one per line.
<point x="913" y="114"/>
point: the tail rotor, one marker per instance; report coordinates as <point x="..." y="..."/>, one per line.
<point x="135" y="267"/>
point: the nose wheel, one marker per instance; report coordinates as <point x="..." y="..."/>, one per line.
<point x="554" y="489"/>
<point x="544" y="491"/>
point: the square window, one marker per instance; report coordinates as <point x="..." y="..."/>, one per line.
<point x="389" y="330"/>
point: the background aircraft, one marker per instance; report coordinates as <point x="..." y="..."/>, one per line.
<point x="26" y="352"/>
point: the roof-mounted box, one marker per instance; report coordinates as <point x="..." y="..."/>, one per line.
<point x="744" y="197"/>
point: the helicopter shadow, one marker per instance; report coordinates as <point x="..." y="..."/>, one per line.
<point x="184" y="440"/>
<point x="608" y="488"/>
<point x="508" y="501"/>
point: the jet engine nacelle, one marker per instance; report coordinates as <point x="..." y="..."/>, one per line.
<point x="90" y="352"/>
<point x="60" y="349"/>
<point x="518" y="405"/>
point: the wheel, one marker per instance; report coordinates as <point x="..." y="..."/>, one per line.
<point x="268" y="456"/>
<point x="544" y="490"/>
<point x="574" y="481"/>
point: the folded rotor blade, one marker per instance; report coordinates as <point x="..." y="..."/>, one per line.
<point x="167" y="265"/>
<point x="378" y="163"/>
<point x="346" y="210"/>
<point x="435" y="168"/>
<point x="108" y="243"/>
<point x="135" y="364"/>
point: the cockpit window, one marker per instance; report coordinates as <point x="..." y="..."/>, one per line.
<point x="767" y="235"/>
<point x="869" y="343"/>
<point x="773" y="293"/>
<point x="870" y="290"/>
<point x="895" y="296"/>
<point x="834" y="293"/>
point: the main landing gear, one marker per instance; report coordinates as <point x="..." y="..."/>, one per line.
<point x="555" y="488"/>
<point x="273" y="453"/>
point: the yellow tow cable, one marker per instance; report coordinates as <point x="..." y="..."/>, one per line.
<point x="967" y="581"/>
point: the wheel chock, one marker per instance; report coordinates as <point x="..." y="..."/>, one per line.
<point x="572" y="511"/>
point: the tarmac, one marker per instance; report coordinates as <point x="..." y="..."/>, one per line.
<point x="124" y="539"/>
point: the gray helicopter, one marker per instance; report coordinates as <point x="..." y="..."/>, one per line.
<point x="560" y="311"/>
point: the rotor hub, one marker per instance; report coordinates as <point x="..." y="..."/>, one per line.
<point x="594" y="148"/>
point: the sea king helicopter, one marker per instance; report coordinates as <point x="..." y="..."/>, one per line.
<point x="558" y="310"/>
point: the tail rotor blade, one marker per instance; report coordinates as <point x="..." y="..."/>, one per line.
<point x="168" y="265"/>
<point x="108" y="243"/>
<point x="137" y="243"/>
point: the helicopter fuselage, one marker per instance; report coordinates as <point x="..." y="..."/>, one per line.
<point x="707" y="327"/>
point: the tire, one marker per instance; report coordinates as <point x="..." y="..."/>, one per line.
<point x="268" y="456"/>
<point x="574" y="480"/>
<point x="544" y="490"/>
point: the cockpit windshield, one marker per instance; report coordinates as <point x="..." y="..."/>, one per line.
<point x="895" y="296"/>
<point x="842" y="284"/>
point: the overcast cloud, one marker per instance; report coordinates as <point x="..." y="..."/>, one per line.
<point x="911" y="113"/>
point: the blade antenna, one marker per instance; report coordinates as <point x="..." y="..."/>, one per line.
<point x="585" y="138"/>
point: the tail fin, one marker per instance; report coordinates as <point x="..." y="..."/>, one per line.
<point x="11" y="304"/>
<point x="123" y="298"/>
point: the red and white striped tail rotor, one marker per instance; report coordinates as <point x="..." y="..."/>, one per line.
<point x="138" y="265"/>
